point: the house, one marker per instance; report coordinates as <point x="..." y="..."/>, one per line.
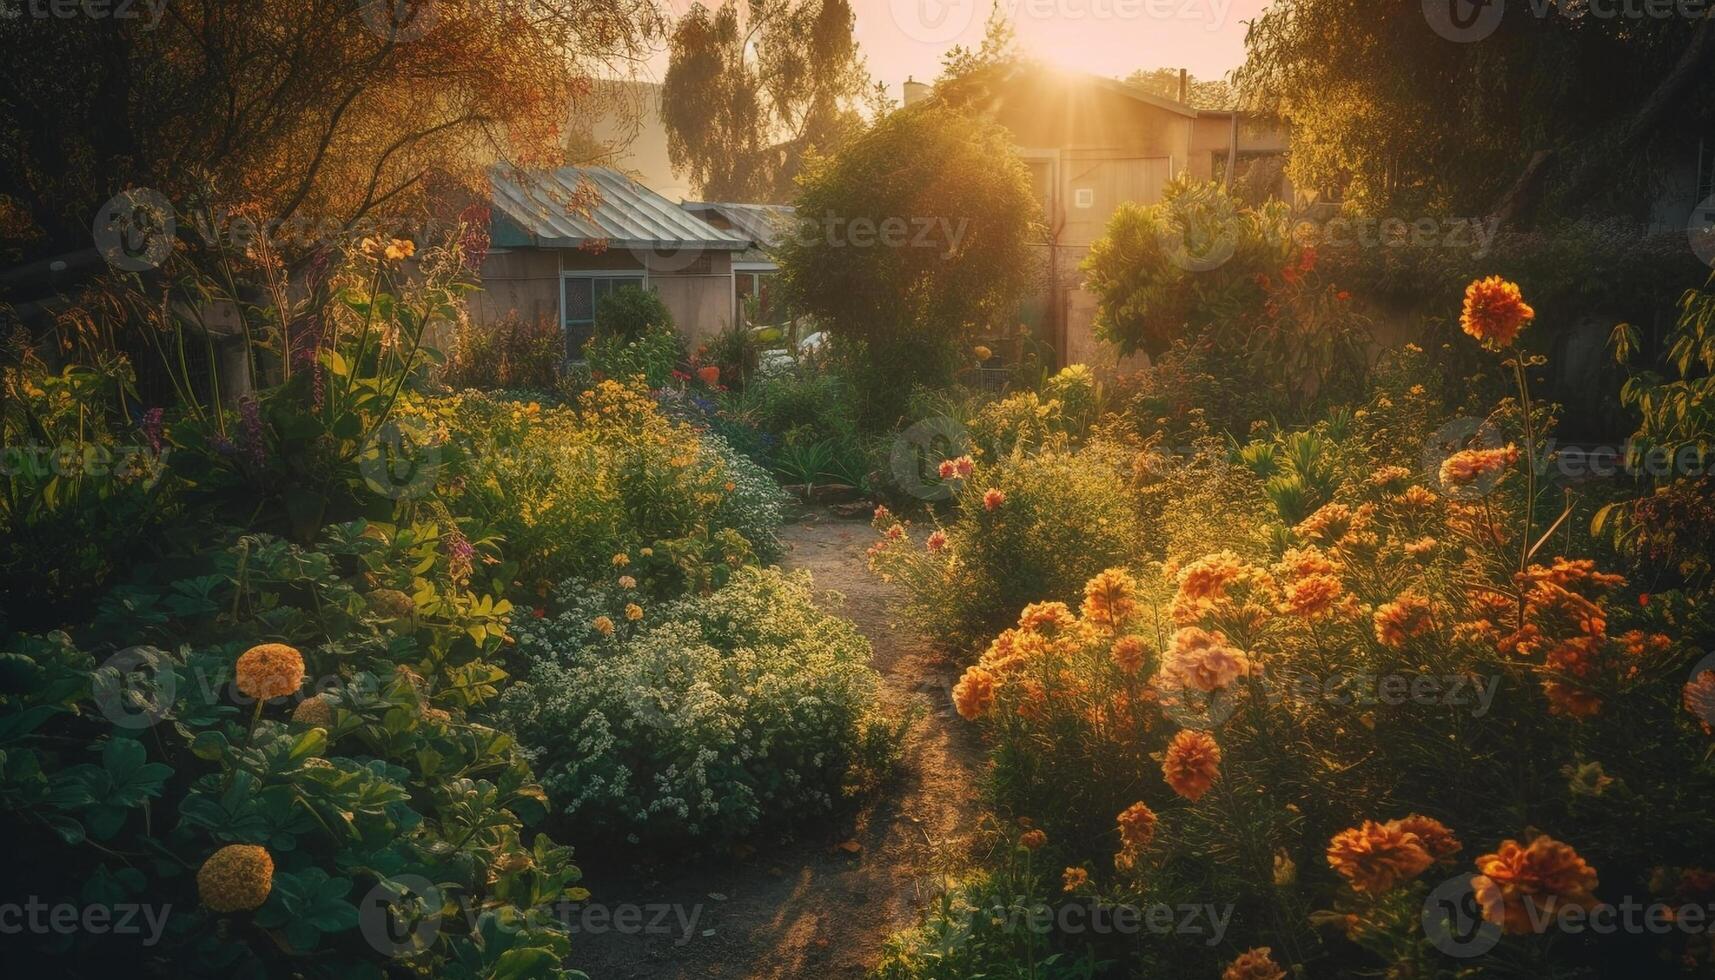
<point x="563" y="240"/>
<point x="1092" y="144"/>
<point x="754" y="269"/>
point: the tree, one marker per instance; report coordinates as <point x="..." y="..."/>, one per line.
<point x="999" y="47"/>
<point x="1200" y="94"/>
<point x="751" y="92"/>
<point x="910" y="240"/>
<point x="1535" y="113"/>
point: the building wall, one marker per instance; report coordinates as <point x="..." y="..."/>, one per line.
<point x="697" y="289"/>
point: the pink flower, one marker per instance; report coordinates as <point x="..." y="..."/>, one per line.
<point x="937" y="541"/>
<point x="993" y="499"/>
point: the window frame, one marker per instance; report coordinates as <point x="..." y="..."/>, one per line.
<point x="639" y="277"/>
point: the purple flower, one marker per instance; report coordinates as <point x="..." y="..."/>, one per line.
<point x="151" y="429"/>
<point x="250" y="415"/>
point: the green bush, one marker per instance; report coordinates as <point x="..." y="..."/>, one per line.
<point x="630" y="314"/>
<point x="703" y="719"/>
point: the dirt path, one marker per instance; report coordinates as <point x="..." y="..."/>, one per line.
<point x="807" y="907"/>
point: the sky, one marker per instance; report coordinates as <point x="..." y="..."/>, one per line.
<point x="906" y="38"/>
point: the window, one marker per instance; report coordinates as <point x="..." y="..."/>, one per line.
<point x="761" y="286"/>
<point x="580" y="296"/>
<point x="1086" y="197"/>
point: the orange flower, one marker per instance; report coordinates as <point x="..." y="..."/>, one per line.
<point x="1204" y="660"/>
<point x="1466" y="466"/>
<point x="992" y="499"/>
<point x="1046" y="614"/>
<point x="1699" y="698"/>
<point x="633" y="611"/>
<point x="974" y="693"/>
<point x="1193" y="763"/>
<point x="1521" y="886"/>
<point x="709" y="374"/>
<point x="603" y="625"/>
<point x="1373" y="857"/>
<point x="937" y="540"/>
<point x="236" y="878"/>
<point x="1110" y="598"/>
<point x="1407" y="616"/>
<point x="1422" y="546"/>
<point x="1127" y="654"/>
<point x="400" y="249"/>
<point x="270" y="670"/>
<point x="1030" y="840"/>
<point x="1431" y="833"/>
<point x="313" y="711"/>
<point x="1073" y="879"/>
<point x="1312" y="595"/>
<point x="1254" y="964"/>
<point x="1495" y="312"/>
<point x="1137" y="825"/>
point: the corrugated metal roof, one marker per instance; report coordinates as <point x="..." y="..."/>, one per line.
<point x="628" y="216"/>
<point x="766" y="224"/>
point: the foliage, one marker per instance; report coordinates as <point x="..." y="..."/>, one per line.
<point x="1431" y="640"/>
<point x="388" y="791"/>
<point x="923" y="246"/>
<point x="1201" y="268"/>
<point x="511" y="353"/>
<point x="236" y="96"/>
<point x="1600" y="94"/>
<point x="1061" y="516"/>
<point x="80" y="495"/>
<point x="1201" y="94"/>
<point x="702" y="719"/>
<point x="753" y="90"/>
<point x="630" y="314"/>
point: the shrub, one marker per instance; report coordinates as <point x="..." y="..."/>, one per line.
<point x="1054" y="519"/>
<point x="512" y="353"/>
<point x="367" y="778"/>
<point x="629" y="314"/>
<point x="703" y="719"/>
<point x="652" y="357"/>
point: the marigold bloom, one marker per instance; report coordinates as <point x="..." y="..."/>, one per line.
<point x="314" y="712"/>
<point x="400" y="249"/>
<point x="1520" y="886"/>
<point x="1390" y="476"/>
<point x="1407" y="616"/>
<point x="937" y="541"/>
<point x="1312" y="595"/>
<point x="1254" y="964"/>
<point x="974" y="693"/>
<point x="1431" y="833"/>
<point x="1332" y="523"/>
<point x="603" y="625"/>
<point x="1073" y="879"/>
<point x="992" y="499"/>
<point x="1374" y="857"/>
<point x="1418" y="497"/>
<point x="1030" y="840"/>
<point x="621" y="560"/>
<point x="709" y="374"/>
<point x="270" y="670"/>
<point x="1468" y="465"/>
<point x="1422" y="546"/>
<point x="627" y="582"/>
<point x="633" y="611"/>
<point x="1127" y="654"/>
<point x="236" y="878"/>
<point x="1699" y="698"/>
<point x="1203" y="660"/>
<point x="1110" y="598"/>
<point x="1193" y="763"/>
<point x="1038" y="615"/>
<point x="1137" y="825"/>
<point x="1495" y="312"/>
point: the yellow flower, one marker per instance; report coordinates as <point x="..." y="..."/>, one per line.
<point x="236" y="878"/>
<point x="313" y="712"/>
<point x="633" y="611"/>
<point x="400" y="249"/>
<point x="270" y="670"/>
<point x="621" y="560"/>
<point x="603" y="625"/>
